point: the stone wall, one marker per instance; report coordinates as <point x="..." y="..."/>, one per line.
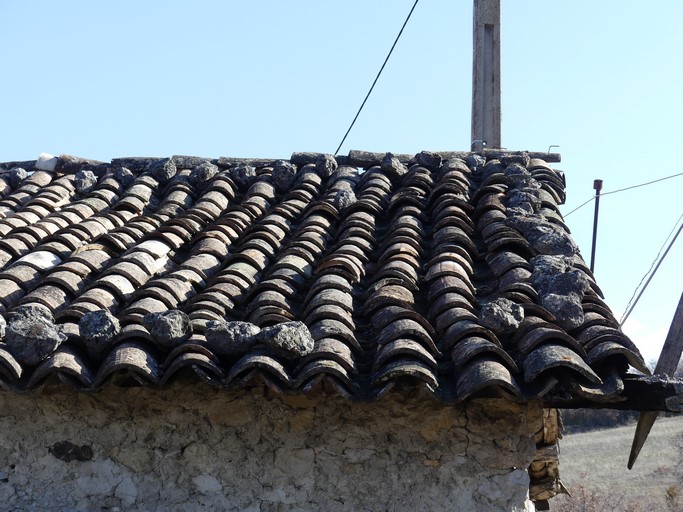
<point x="191" y="447"/>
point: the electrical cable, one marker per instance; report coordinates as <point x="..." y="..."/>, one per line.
<point x="580" y="206"/>
<point x="377" y="77"/>
<point x="654" y="262"/>
<point x="624" y="189"/>
<point x="643" y="184"/>
<point x="652" y="274"/>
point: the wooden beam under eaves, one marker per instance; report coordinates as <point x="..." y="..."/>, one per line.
<point x="666" y="365"/>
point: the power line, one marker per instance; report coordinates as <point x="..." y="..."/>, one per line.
<point x="623" y="190"/>
<point x="643" y="184"/>
<point x="654" y="262"/>
<point x="377" y="77"/>
<point x="580" y="206"/>
<point x="658" y="262"/>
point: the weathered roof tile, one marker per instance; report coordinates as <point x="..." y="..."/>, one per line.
<point x="388" y="268"/>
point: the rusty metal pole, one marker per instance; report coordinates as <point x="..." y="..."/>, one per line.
<point x="597" y="185"/>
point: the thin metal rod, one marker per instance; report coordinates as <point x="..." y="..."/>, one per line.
<point x="597" y="185"/>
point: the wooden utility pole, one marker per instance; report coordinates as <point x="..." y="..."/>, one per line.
<point x="486" y="111"/>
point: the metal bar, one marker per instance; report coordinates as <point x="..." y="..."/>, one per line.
<point x="597" y="185"/>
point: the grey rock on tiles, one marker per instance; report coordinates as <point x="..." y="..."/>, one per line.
<point x="521" y="158"/>
<point x="291" y="339"/>
<point x="203" y="173"/>
<point x="243" y="175"/>
<point x="343" y="199"/>
<point x="545" y="237"/>
<point x="98" y="329"/>
<point x="85" y="181"/>
<point x="560" y="288"/>
<point x="284" y="175"/>
<point x="231" y="338"/>
<point x="574" y="281"/>
<point x="325" y="165"/>
<point x="431" y="161"/>
<point x="124" y="176"/>
<point x="525" y="198"/>
<point x="163" y="170"/>
<point x="16" y="176"/>
<point x="502" y="315"/>
<point x="517" y="175"/>
<point x="545" y="268"/>
<point x="170" y="328"/>
<point x="555" y="241"/>
<point x="392" y="166"/>
<point x="566" y="309"/>
<point x="475" y="162"/>
<point x="32" y="334"/>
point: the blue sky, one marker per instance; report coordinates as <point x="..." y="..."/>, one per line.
<point x="266" y="78"/>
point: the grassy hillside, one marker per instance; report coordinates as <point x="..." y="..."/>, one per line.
<point x="593" y="467"/>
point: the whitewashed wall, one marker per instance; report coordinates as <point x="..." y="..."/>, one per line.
<point x="191" y="447"/>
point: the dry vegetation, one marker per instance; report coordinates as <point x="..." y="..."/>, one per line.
<point x="593" y="467"/>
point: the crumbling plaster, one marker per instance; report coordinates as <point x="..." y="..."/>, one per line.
<point x="191" y="447"/>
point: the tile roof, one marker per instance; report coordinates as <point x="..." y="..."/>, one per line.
<point x="353" y="275"/>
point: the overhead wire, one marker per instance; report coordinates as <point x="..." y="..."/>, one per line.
<point x="580" y="206"/>
<point x="377" y="77"/>
<point x="623" y="190"/>
<point x="640" y="289"/>
<point x="654" y="262"/>
<point x="652" y="271"/>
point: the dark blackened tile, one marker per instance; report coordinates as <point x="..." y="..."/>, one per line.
<point x="549" y="357"/>
<point x="486" y="374"/>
